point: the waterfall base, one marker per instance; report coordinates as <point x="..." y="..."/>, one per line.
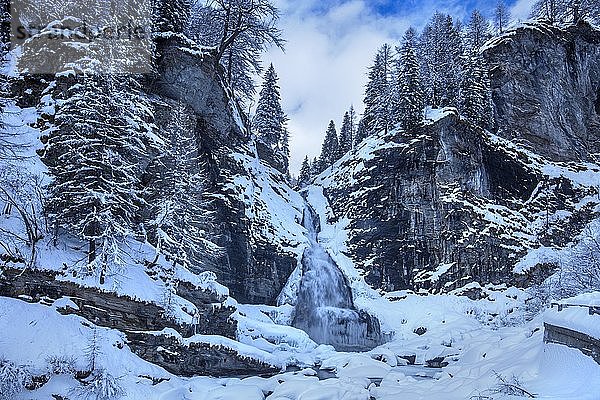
<point x="325" y="308"/>
<point x="345" y="329"/>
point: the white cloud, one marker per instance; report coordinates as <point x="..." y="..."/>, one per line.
<point x="522" y="10"/>
<point x="329" y="48"/>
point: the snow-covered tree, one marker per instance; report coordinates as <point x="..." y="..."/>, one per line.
<point x="93" y="156"/>
<point x="13" y="379"/>
<point x="440" y="54"/>
<point x="315" y="167"/>
<point x="305" y="175"/>
<point x="476" y="99"/>
<point x="240" y="30"/>
<point x="100" y="385"/>
<point x="181" y="220"/>
<point x="21" y="196"/>
<point x="5" y="20"/>
<point x="566" y="10"/>
<point x="501" y="16"/>
<point x="353" y="125"/>
<point x="270" y="121"/>
<point x="329" y="151"/>
<point x="171" y="15"/>
<point x="345" y="140"/>
<point x="283" y="152"/>
<point x="478" y="30"/>
<point x="378" y="116"/>
<point x="411" y="101"/>
<point x="551" y="10"/>
<point x="361" y="132"/>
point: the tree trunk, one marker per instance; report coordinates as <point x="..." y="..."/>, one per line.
<point x="92" y="251"/>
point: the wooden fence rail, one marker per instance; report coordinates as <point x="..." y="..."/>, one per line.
<point x="587" y="344"/>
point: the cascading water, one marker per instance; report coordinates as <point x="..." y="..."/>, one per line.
<point x="325" y="309"/>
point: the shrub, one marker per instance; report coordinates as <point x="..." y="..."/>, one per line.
<point x="13" y="379"/>
<point x="59" y="365"/>
<point x="99" y="386"/>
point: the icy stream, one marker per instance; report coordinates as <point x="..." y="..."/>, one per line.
<point x="325" y="309"/>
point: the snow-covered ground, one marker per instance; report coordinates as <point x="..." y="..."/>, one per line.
<point x="483" y="341"/>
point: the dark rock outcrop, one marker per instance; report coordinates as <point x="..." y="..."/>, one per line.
<point x="546" y="87"/>
<point x="448" y="207"/>
<point x="415" y="206"/>
<point x="138" y="318"/>
<point x="196" y="358"/>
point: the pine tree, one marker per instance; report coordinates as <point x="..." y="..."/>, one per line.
<point x="305" y="174"/>
<point x="478" y="30"/>
<point x="440" y="53"/>
<point x="361" y="132"/>
<point x="329" y="151"/>
<point x="270" y="120"/>
<point x="378" y="115"/>
<point x="411" y="100"/>
<point x="94" y="156"/>
<point x="501" y="16"/>
<point x="476" y="98"/>
<point x="353" y="125"/>
<point x="181" y="215"/>
<point x="345" y="142"/>
<point x="315" y="167"/>
<point x="171" y="15"/>
<point x="284" y="151"/>
<point x="476" y="103"/>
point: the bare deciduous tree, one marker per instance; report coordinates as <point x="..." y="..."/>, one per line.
<point x="239" y="30"/>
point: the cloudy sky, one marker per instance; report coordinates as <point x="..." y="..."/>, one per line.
<point x="330" y="44"/>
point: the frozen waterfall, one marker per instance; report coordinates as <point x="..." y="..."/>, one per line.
<point x="325" y="309"/>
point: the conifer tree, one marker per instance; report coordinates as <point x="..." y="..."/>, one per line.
<point x="329" y="151"/>
<point x="501" y="16"/>
<point x="181" y="226"/>
<point x="284" y="151"/>
<point x="440" y="53"/>
<point x="353" y="125"/>
<point x="315" y="167"/>
<point x="476" y="102"/>
<point x="345" y="141"/>
<point x="478" y="30"/>
<point x="171" y="15"/>
<point x="270" y="121"/>
<point x="361" y="132"/>
<point x="94" y="156"/>
<point x="411" y="101"/>
<point x="475" y="96"/>
<point x="378" y="116"/>
<point x="305" y="173"/>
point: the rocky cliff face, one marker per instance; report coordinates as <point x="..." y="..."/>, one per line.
<point x="257" y="213"/>
<point x="546" y="89"/>
<point x="455" y="204"/>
